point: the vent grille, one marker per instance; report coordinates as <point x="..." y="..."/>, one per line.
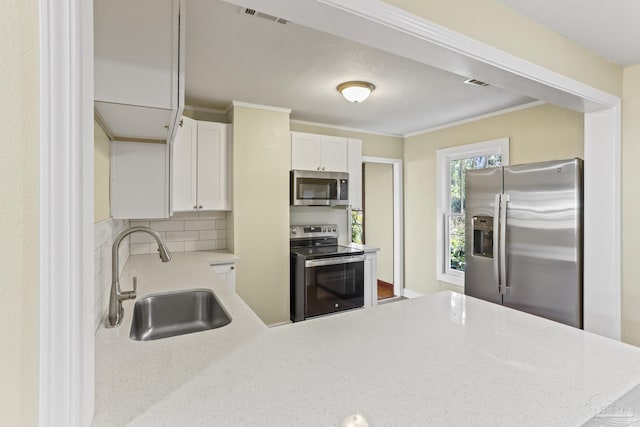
<point x="253" y="12"/>
<point x="476" y="82"/>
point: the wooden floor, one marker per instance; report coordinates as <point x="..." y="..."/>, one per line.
<point x="385" y="290"/>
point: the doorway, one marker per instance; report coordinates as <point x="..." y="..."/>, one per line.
<point x="379" y="224"/>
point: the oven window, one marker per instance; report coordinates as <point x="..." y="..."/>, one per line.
<point x="317" y="189"/>
<point x="332" y="288"/>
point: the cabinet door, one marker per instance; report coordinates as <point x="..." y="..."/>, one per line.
<point x="212" y="166"/>
<point x="334" y="154"/>
<point x="355" y="173"/>
<point x="305" y="151"/>
<point x="136" y="52"/>
<point x="185" y="166"/>
<point x="139" y="180"/>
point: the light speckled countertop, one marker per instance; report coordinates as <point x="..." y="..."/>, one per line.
<point x="446" y="359"/>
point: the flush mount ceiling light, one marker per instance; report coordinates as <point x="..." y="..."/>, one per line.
<point x="355" y="91"/>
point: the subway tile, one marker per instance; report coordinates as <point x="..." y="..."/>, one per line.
<point x="140" y="248"/>
<point x="175" y="246"/>
<point x="180" y="216"/>
<point x="207" y="235"/>
<point x="200" y="225"/>
<point x="221" y="244"/>
<point x="200" y="245"/>
<point x="167" y="225"/>
<point x="212" y="215"/>
<point x="176" y="236"/>
<point x="221" y="234"/>
<point x="144" y="237"/>
<point x="139" y="223"/>
<point x="221" y="224"/>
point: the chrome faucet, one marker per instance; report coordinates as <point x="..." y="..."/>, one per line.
<point x="117" y="295"/>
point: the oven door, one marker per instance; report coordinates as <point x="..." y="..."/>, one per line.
<point x="333" y="284"/>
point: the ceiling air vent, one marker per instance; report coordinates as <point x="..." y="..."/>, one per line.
<point x="253" y="12"/>
<point x="476" y="82"/>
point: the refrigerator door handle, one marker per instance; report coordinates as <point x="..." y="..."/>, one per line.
<point x="504" y="202"/>
<point x="496" y="241"/>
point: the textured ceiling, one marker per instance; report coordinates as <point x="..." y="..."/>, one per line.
<point x="233" y="56"/>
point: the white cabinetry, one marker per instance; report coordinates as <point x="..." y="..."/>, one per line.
<point x="227" y="273"/>
<point x="370" y="279"/>
<point x="311" y="151"/>
<point x="139" y="68"/>
<point x="355" y="173"/>
<point x="139" y="180"/>
<point x="201" y="154"/>
<point x="318" y="152"/>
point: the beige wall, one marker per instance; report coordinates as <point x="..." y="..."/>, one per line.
<point x="378" y="215"/>
<point x="19" y="166"/>
<point x="631" y="205"/>
<point x="498" y="26"/>
<point x="541" y="133"/>
<point x="260" y="218"/>
<point x="372" y="145"/>
<point x="101" y="174"/>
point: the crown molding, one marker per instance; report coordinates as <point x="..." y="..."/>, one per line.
<point x="345" y="128"/>
<point x="260" y="107"/>
<point x="476" y="118"/>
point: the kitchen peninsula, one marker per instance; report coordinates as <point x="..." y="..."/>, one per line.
<point x="446" y="359"/>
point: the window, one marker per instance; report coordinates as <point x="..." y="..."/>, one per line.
<point x="452" y="164"/>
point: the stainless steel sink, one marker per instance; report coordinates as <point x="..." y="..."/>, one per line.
<point x="169" y="314"/>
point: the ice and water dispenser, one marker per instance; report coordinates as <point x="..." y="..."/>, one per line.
<point x="483" y="236"/>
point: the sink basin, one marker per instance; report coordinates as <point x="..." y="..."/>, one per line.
<point x="169" y="314"/>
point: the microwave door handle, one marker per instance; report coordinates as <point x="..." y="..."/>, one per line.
<point x="496" y="241"/>
<point x="333" y="261"/>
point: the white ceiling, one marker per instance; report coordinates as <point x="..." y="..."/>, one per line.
<point x="609" y="28"/>
<point x="233" y="56"/>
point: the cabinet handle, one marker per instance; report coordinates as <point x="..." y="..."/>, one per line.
<point x="200" y="207"/>
<point x="195" y="207"/>
<point x="181" y="122"/>
<point x="323" y="168"/>
<point x="318" y="167"/>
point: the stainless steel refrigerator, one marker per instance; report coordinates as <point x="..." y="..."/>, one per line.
<point x="523" y="238"/>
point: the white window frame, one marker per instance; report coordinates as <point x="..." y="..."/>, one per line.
<point x="443" y="158"/>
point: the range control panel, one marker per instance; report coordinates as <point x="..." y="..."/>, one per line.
<point x="306" y="231"/>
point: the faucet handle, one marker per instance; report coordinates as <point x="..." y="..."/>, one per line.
<point x="125" y="295"/>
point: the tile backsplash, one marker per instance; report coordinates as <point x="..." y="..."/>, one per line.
<point x="183" y="232"/>
<point x="104" y="232"/>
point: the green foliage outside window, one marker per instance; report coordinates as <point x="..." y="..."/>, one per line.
<point x="356" y="226"/>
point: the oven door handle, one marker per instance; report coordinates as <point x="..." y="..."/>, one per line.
<point x="333" y="261"/>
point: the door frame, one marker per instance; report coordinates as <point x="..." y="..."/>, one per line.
<point x="66" y="385"/>
<point x="398" y="216"/>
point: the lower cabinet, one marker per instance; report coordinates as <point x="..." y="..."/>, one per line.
<point x="227" y="273"/>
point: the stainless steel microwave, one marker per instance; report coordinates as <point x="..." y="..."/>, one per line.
<point x="316" y="188"/>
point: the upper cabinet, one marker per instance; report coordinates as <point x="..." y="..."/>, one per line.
<point x="201" y="159"/>
<point x="315" y="152"/>
<point x="139" y="68"/>
<point x="319" y="152"/>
